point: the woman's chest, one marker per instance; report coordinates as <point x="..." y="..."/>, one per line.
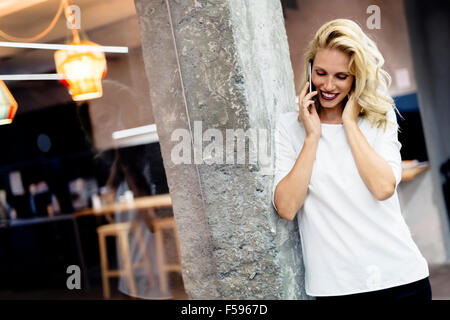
<point x="335" y="158"/>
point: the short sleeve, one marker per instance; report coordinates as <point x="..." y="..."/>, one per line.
<point x="388" y="146"/>
<point x="284" y="155"/>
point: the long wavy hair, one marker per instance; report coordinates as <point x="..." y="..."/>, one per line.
<point x="371" y="82"/>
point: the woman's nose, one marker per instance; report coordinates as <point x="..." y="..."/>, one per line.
<point x="329" y="84"/>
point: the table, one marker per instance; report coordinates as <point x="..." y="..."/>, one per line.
<point x="409" y="173"/>
<point x="148" y="202"/>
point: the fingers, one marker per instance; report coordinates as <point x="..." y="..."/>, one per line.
<point x="305" y="107"/>
<point x="307" y="113"/>
<point x="310" y="95"/>
<point x="302" y="93"/>
<point x="305" y="88"/>
<point x="314" y="111"/>
<point x="310" y="102"/>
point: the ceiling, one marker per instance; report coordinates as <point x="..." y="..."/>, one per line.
<point x="26" y="18"/>
<point x="106" y="22"/>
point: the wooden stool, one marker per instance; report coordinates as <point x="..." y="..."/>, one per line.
<point x="122" y="231"/>
<point x="159" y="225"/>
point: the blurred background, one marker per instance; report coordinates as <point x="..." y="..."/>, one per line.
<point x="66" y="165"/>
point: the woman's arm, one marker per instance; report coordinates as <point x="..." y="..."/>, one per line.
<point x="375" y="168"/>
<point x="375" y="171"/>
<point x="290" y="193"/>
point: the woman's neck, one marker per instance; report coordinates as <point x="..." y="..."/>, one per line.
<point x="331" y="115"/>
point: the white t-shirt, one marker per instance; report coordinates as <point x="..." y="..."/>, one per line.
<point x="351" y="242"/>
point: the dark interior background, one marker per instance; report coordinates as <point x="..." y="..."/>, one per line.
<point x="36" y="256"/>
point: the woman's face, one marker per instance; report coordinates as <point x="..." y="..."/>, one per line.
<point x="331" y="77"/>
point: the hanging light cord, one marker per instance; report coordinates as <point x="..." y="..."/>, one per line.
<point x="40" y="35"/>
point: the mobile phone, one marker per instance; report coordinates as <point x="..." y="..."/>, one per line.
<point x="311" y="86"/>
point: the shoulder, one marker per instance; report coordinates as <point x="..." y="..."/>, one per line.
<point x="290" y="128"/>
<point x="391" y="121"/>
<point x="389" y="124"/>
<point x="391" y="116"/>
<point x="287" y="120"/>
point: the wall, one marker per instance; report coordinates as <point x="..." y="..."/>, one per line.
<point x="392" y="39"/>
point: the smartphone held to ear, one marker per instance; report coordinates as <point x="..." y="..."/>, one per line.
<point x="311" y="86"/>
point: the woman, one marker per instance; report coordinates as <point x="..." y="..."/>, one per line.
<point x="338" y="165"/>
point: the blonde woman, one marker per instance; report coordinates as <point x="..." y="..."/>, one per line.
<point x="338" y="165"/>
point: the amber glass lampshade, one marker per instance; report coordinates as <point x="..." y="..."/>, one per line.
<point x="8" y="106"/>
<point x="83" y="71"/>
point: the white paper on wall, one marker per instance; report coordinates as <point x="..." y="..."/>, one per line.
<point x="15" y="181"/>
<point x="402" y="78"/>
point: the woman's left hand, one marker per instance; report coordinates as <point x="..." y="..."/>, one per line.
<point x="351" y="110"/>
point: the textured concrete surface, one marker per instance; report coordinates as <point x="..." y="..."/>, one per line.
<point x="226" y="64"/>
<point x="169" y="109"/>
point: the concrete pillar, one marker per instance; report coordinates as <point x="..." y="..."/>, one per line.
<point x="223" y="64"/>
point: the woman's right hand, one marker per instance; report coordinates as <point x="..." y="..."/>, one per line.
<point x="308" y="114"/>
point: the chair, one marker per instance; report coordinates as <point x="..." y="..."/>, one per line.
<point x="122" y="231"/>
<point x="159" y="225"/>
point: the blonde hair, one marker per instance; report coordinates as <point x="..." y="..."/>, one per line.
<point x="370" y="83"/>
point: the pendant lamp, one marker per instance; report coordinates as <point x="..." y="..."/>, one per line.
<point x="82" y="70"/>
<point x="8" y="106"/>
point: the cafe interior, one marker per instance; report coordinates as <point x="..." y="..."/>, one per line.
<point x="83" y="189"/>
<point x="85" y="211"/>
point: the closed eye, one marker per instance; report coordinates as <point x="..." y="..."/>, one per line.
<point x="339" y="76"/>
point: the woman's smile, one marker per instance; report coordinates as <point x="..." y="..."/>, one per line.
<point x="328" y="95"/>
